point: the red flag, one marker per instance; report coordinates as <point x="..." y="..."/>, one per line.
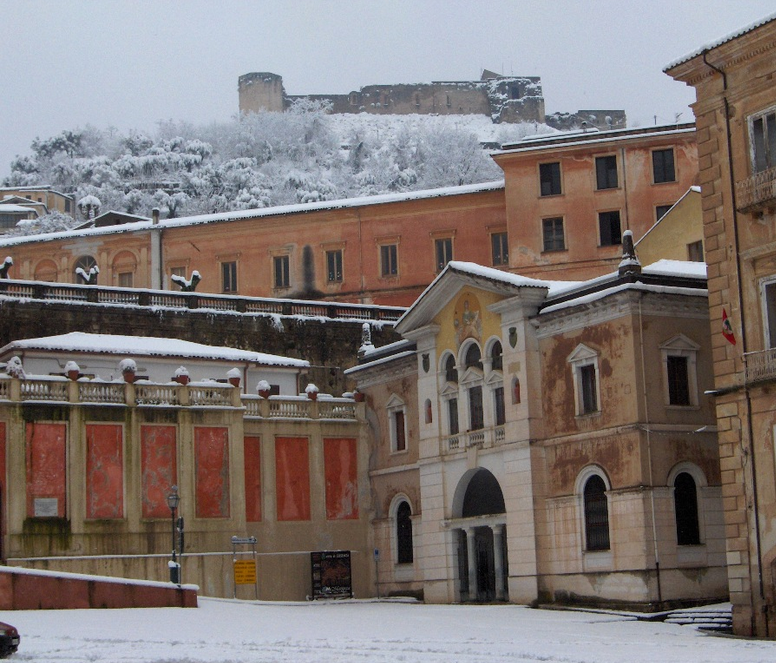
<point x="727" y="328"/>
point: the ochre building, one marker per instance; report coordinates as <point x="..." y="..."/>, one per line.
<point x="736" y="129"/>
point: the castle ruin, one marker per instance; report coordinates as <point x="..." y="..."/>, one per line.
<point x="508" y="99"/>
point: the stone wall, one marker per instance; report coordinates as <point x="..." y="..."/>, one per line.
<point x="329" y="345"/>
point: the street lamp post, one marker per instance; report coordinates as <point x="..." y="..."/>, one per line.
<point x="173" y="500"/>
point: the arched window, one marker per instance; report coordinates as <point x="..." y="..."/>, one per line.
<point x="83" y="270"/>
<point x="596" y="514"/>
<point x="427" y="409"/>
<point x="473" y="357"/>
<point x="496" y="359"/>
<point x="451" y="374"/>
<point x="404" y="534"/>
<point x="686" y="508"/>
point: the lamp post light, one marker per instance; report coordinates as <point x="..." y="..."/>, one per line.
<point x="173" y="500"/>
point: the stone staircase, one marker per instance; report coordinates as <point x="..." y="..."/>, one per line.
<point x="717" y="618"/>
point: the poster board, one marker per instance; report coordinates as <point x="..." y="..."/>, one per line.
<point x="331" y="576"/>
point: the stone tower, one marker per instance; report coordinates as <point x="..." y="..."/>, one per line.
<point x="261" y="91"/>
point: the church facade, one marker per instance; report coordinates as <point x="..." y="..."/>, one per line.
<point x="540" y="441"/>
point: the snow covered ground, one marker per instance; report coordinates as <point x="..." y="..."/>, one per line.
<point x="357" y="631"/>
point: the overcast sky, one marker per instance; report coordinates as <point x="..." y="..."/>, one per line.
<point x="131" y="63"/>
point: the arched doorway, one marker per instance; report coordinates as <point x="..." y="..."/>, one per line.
<point x="481" y="537"/>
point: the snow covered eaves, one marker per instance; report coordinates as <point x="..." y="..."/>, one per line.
<point x="146" y="346"/>
<point x="686" y="275"/>
<point x="681" y="268"/>
<point x="265" y="212"/>
<point x="592" y="138"/>
<point x="457" y="273"/>
<point x="719" y="42"/>
<point x="36" y="187"/>
<point x="622" y="287"/>
<point x="379" y="362"/>
<point x="10" y="207"/>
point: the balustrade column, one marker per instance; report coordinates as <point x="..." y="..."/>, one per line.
<point x="471" y="555"/>
<point x="498" y="560"/>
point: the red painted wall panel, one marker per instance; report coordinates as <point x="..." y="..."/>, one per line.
<point x="159" y="467"/>
<point x="211" y="458"/>
<point x="292" y="478"/>
<point x="46" y="465"/>
<point x="252" y="454"/>
<point x="341" y="467"/>
<point x="104" y="471"/>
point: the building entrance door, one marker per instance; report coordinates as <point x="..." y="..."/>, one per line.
<point x="486" y="570"/>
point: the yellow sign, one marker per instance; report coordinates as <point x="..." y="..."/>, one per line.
<point x="244" y="572"/>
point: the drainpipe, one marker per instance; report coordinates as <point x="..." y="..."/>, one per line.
<point x="750" y="451"/>
<point x="648" y="431"/>
<point x="156" y="251"/>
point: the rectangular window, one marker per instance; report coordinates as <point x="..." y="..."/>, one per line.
<point x="589" y="392"/>
<point x="228" y="277"/>
<point x="549" y="178"/>
<point x="663" y="166"/>
<point x="334" y="266"/>
<point x="769" y="311"/>
<point x="678" y="380"/>
<point x="67" y="205"/>
<point x="609" y="226"/>
<point x="695" y="251"/>
<point x="452" y="415"/>
<point x="389" y="264"/>
<point x="660" y="211"/>
<point x="499" y="248"/>
<point x="444" y="252"/>
<point x="763" y="138"/>
<point x="552" y="234"/>
<point x="282" y="278"/>
<point x="476" y="414"/>
<point x="498" y="406"/>
<point x="400" y="438"/>
<point x="606" y="172"/>
<point x="126" y="279"/>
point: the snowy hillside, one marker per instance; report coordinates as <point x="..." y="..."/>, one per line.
<point x="264" y="160"/>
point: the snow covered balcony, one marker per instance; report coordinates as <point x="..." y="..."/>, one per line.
<point x="757" y="192"/>
<point x="55" y="389"/>
<point x="300" y="407"/>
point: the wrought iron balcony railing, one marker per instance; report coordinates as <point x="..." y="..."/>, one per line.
<point x="757" y="192"/>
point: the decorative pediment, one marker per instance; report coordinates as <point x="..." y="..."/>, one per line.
<point x="450" y="390"/>
<point x="471" y="375"/>
<point x="394" y="402"/>
<point x="495" y="378"/>
<point x="581" y="353"/>
<point x="680" y="342"/>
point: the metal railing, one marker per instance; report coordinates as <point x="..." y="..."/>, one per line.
<point x="760" y="366"/>
<point x="757" y="192"/>
<point x="191" y="300"/>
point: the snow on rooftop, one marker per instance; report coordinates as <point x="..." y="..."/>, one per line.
<point x="723" y="40"/>
<point x="509" y="278"/>
<point x="574" y="139"/>
<point x="80" y="342"/>
<point x="685" y="268"/>
<point x="299" y="208"/>
<point x="10" y="207"/>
